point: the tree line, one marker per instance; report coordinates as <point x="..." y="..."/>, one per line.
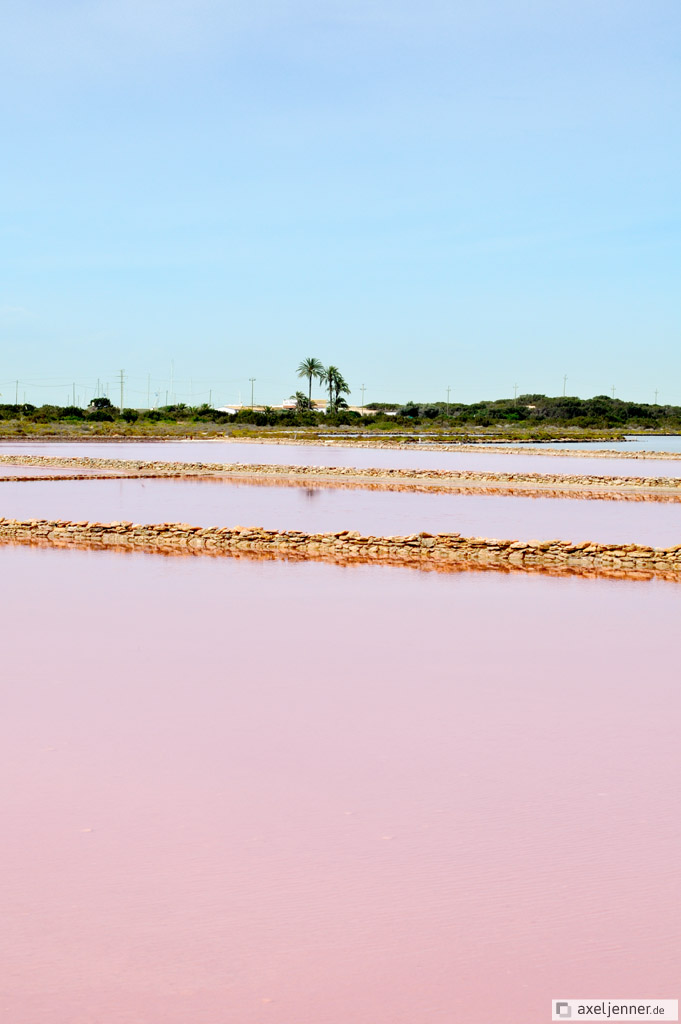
<point x="538" y="410"/>
<point x="526" y="411"/>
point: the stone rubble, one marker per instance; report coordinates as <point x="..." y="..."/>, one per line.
<point x="443" y="552"/>
<point x="563" y="484"/>
<point x="507" y="447"/>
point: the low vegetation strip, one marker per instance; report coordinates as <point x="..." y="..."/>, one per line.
<point x="532" y="416"/>
<point x="443" y="552"/>
<point x="557" y="484"/>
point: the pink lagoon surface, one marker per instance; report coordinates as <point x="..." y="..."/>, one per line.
<point x="7" y="469"/>
<point x="318" y="509"/>
<point x="274" y="793"/>
<point x="504" y="461"/>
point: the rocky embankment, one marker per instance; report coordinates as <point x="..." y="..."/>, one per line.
<point x="511" y="447"/>
<point x="442" y="552"/>
<point x="554" y="484"/>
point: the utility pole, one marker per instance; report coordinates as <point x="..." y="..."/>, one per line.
<point x="210" y="399"/>
<point x="515" y="393"/>
<point x="98" y="387"/>
<point x="448" y="391"/>
<point x="613" y="391"/>
<point x="16" y="393"/>
<point x="564" y="383"/>
<point x="655" y="396"/>
<point x="252" y="380"/>
<point x="363" y="390"/>
<point x="122" y="372"/>
<point x="73" y="398"/>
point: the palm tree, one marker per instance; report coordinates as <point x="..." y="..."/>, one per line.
<point x="310" y="368"/>
<point x="337" y="385"/>
<point x="302" y="401"/>
<point x="341" y="388"/>
<point x="328" y="375"/>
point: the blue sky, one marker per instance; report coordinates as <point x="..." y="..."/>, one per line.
<point x="467" y="194"/>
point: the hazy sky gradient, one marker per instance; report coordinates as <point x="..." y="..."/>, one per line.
<point x="465" y="194"/>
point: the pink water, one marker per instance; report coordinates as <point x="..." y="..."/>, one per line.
<point x="269" y="793"/>
<point x="315" y="455"/>
<point x="7" y="469"/>
<point x="319" y="509"/>
<point x="634" y="443"/>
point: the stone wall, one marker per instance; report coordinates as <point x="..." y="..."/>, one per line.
<point x="444" y="552"/>
<point x="562" y="484"/>
<point x="505" y="447"/>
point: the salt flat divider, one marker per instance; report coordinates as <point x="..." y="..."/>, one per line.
<point x="433" y="480"/>
<point x="442" y="552"/>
